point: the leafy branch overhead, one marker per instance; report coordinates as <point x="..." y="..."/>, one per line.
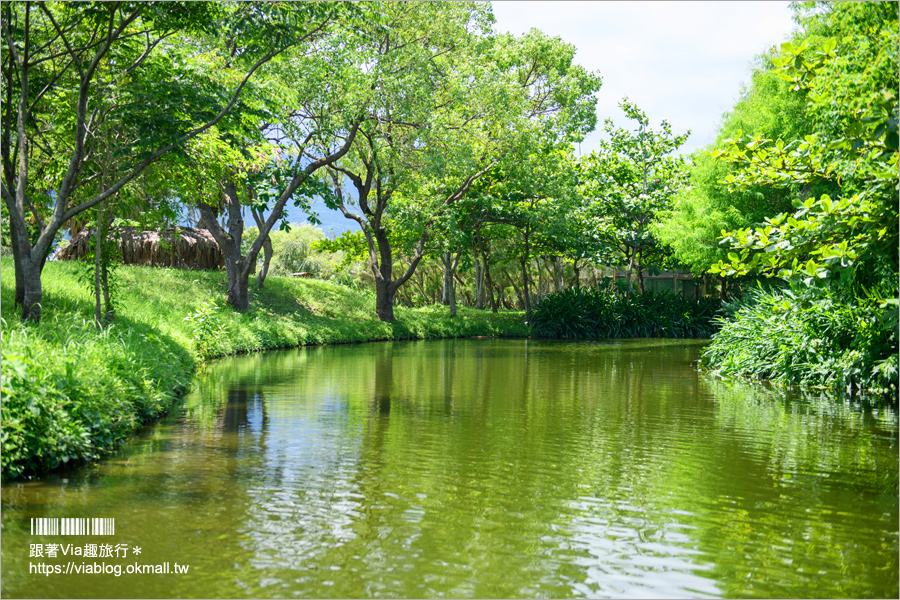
<point x="850" y="237"/>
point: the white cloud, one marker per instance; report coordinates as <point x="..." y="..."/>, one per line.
<point x="680" y="61"/>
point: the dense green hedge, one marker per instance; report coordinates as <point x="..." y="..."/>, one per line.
<point x="71" y="393"/>
<point x="808" y="341"/>
<point x="606" y="312"/>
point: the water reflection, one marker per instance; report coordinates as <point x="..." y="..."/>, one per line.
<point x="384" y="380"/>
<point x="495" y="469"/>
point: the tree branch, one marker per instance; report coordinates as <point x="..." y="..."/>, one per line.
<point x="152" y="158"/>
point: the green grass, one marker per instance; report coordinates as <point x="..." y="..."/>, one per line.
<point x="71" y="393"/>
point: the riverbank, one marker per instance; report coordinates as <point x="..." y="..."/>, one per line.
<point x="71" y="393"/>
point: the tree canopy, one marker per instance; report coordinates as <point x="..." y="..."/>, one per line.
<point x="627" y="183"/>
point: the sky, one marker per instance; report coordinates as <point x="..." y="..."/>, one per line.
<point x="683" y="62"/>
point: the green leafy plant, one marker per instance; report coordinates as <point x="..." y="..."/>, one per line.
<point x="607" y="312"/>
<point x="206" y="326"/>
<point x="38" y="431"/>
<point x="806" y="338"/>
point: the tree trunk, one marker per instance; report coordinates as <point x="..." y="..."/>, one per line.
<point x="237" y="293"/>
<point x="267" y="258"/>
<point x="17" y="264"/>
<point x="557" y="267"/>
<point x="384" y="300"/>
<point x="495" y="302"/>
<point x="109" y="312"/>
<point x="267" y="249"/>
<point x="543" y="287"/>
<point x="502" y="299"/>
<point x="32" y="294"/>
<point x="486" y="267"/>
<point x="98" y="257"/>
<point x="452" y="298"/>
<point x="449" y="296"/>
<point x="640" y="276"/>
<point x="28" y="265"/>
<point x="447" y="261"/>
<point x="526" y="292"/>
<point x="577" y="269"/>
<point x="237" y="270"/>
<point x="479" y="283"/>
<point x="628" y="281"/>
<point x="382" y="268"/>
<point x="526" y="303"/>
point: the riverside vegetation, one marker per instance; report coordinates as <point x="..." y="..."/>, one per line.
<point x="460" y="194"/>
<point x="607" y="312"/>
<point x="72" y="393"/>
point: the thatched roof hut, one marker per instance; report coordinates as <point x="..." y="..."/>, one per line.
<point x="180" y="247"/>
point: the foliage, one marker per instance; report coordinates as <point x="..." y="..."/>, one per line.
<point x="628" y="182"/>
<point x="37" y="429"/>
<point x="98" y="92"/>
<point x="807" y="339"/>
<point x="851" y="239"/>
<point x="297" y="248"/>
<point x="480" y="102"/>
<point x="838" y="250"/>
<point x="692" y="227"/>
<point x="206" y="325"/>
<point x="71" y="393"/>
<point x="606" y="312"/>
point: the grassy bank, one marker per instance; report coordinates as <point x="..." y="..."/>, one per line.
<point x="71" y="393"/>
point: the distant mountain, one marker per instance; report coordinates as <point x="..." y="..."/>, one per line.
<point x="333" y="222"/>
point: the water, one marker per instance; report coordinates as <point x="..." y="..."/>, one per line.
<point x="482" y="468"/>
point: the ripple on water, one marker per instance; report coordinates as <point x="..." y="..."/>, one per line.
<point x="516" y="469"/>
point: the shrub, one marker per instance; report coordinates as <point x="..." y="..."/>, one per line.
<point x="812" y="339"/>
<point x="604" y="312"/>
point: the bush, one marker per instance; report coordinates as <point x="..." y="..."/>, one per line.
<point x="605" y="312"/>
<point x="293" y="251"/>
<point x="809" y="340"/>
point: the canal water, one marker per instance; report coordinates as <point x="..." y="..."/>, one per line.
<point x="476" y="468"/>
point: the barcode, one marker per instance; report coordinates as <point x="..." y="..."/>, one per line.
<point x="74" y="526"/>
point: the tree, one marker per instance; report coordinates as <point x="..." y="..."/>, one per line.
<point x="414" y="66"/>
<point x="692" y="228"/>
<point x="58" y="54"/>
<point x="533" y="193"/>
<point x="838" y="252"/>
<point x="476" y="100"/>
<point x="292" y="130"/>
<point x="628" y="182"/>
